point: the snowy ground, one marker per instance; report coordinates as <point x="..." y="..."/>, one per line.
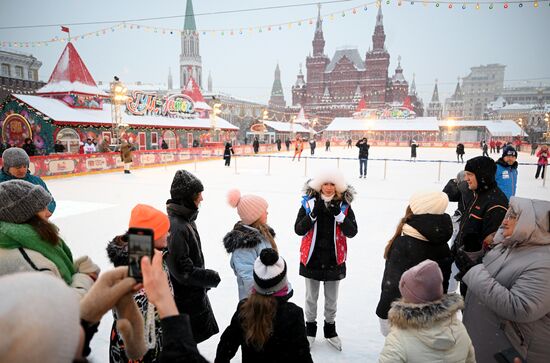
<point x="92" y="209"/>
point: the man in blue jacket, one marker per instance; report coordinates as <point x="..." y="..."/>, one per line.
<point x="16" y="166"/>
<point x="507" y="171"/>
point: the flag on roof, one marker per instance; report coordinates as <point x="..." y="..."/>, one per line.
<point x="361" y="105"/>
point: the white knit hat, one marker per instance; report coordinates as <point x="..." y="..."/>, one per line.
<point x="429" y="202"/>
<point x="333" y="176"/>
<point x="39" y="319"/>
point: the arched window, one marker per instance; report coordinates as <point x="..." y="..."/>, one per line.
<point x="170" y="138"/>
<point x="70" y="139"/>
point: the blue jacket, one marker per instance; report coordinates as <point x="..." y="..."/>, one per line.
<point x="507" y="177"/>
<point x="33" y="179"/>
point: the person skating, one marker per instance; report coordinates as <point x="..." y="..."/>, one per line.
<point x="256" y="145"/>
<point x="327" y="145"/>
<point x="349" y="143"/>
<point x="266" y="326"/>
<point x="190" y="279"/>
<point x="287" y="144"/>
<point x="278" y="142"/>
<point x="485" y="149"/>
<point x="498" y="144"/>
<point x="312" y="145"/>
<point x="424" y="322"/>
<point x="248" y="238"/>
<point x="298" y="148"/>
<point x="421" y="234"/>
<point x="460" y="152"/>
<point x="414" y="146"/>
<point x="126" y="155"/>
<point x="543" y="155"/>
<point x="325" y="220"/>
<point x="507" y="172"/>
<point x="363" y="156"/>
<point x="227" y="153"/>
<point x="492" y="145"/>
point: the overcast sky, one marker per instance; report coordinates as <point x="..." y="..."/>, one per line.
<point x="434" y="42"/>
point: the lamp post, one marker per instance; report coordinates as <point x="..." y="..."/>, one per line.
<point x="118" y="97"/>
<point x="547" y="120"/>
<point x="214" y="121"/>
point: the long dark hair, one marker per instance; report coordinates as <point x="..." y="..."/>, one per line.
<point x="398" y="231"/>
<point x="45" y="229"/>
<point x="257" y="315"/>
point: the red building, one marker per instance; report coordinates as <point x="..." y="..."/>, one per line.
<point x="335" y="86"/>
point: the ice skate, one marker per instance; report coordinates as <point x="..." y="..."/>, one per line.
<point x="311" y="332"/>
<point x="331" y="336"/>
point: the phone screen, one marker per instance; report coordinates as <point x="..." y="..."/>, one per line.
<point x="139" y="245"/>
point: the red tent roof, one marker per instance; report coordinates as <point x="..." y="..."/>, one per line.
<point x="71" y="68"/>
<point x="192" y="90"/>
<point x="361" y="106"/>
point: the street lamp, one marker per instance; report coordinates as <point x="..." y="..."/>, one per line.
<point x="520" y="122"/>
<point x="213" y="119"/>
<point x="118" y="97"/>
<point x="547" y="120"/>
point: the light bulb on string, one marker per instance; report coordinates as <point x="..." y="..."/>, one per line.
<point x="436" y="5"/>
<point x="477" y="6"/>
<point x="505" y="5"/>
<point x="463" y="6"/>
<point x="450" y="6"/>
<point x="491" y="6"/>
<point x="536" y="4"/>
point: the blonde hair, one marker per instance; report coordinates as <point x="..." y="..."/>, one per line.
<point x="398" y="231"/>
<point x="264" y="231"/>
<point x="257" y="315"/>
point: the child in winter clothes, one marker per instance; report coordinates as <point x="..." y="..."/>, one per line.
<point x="266" y="326"/>
<point x="325" y="220"/>
<point x="424" y="325"/>
<point x="507" y="172"/>
<point x="248" y="238"/>
<point x="29" y="242"/>
<point x="542" y="162"/>
<point x="142" y="216"/>
<point x="422" y="234"/>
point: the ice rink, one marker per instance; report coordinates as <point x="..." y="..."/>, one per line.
<point x="92" y="209"/>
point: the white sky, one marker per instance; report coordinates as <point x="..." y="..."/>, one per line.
<point x="433" y="42"/>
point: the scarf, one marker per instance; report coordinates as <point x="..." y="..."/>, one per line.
<point x="410" y="231"/>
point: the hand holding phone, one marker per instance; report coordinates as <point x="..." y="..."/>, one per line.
<point x="140" y="244"/>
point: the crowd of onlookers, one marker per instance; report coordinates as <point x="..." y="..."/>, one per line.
<point x="489" y="262"/>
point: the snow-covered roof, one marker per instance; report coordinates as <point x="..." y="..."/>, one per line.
<point x="66" y="86"/>
<point x="285" y="126"/>
<point x="352" y="54"/>
<point x="495" y="127"/>
<point x="59" y="111"/>
<point x="357" y="124"/>
<point x="517" y="106"/>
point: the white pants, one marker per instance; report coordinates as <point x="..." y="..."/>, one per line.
<point x="331" y="299"/>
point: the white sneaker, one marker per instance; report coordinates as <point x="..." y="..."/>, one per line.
<point x="335" y="342"/>
<point x="310" y="340"/>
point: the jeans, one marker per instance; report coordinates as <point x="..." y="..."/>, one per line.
<point x="363" y="167"/>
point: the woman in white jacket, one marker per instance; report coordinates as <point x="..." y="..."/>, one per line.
<point x="424" y="325"/>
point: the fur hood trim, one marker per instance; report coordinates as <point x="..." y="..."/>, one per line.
<point x="348" y="195"/>
<point x="117" y="250"/>
<point x="243" y="236"/>
<point x="416" y="316"/>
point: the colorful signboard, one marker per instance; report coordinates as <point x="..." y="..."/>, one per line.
<point x="385" y="113"/>
<point x="16" y="129"/>
<point x="145" y="104"/>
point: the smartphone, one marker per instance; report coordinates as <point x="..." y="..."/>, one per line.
<point x="140" y="243"/>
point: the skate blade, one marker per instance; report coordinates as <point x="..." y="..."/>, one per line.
<point x="335" y="342"/>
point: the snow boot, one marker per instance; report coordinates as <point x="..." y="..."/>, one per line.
<point x="311" y="331"/>
<point x="331" y="336"/>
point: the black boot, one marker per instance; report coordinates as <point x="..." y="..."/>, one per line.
<point x="331" y="336"/>
<point x="311" y="331"/>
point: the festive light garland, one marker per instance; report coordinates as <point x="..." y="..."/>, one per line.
<point x="294" y="24"/>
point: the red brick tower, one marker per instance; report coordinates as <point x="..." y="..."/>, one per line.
<point x="316" y="65"/>
<point x="377" y="62"/>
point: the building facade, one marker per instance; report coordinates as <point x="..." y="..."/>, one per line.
<point x="190" y="59"/>
<point x="454" y="105"/>
<point x="18" y="73"/>
<point x="483" y="85"/>
<point x="434" y="107"/>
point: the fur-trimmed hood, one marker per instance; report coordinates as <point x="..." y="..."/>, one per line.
<point x="348" y="195"/>
<point x="117" y="250"/>
<point x="243" y="236"/>
<point x="417" y="316"/>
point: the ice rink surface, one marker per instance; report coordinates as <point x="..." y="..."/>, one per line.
<point x="92" y="209"/>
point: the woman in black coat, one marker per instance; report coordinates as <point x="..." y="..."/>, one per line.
<point x="227" y="153"/>
<point x="422" y="234"/>
<point x="190" y="279"/>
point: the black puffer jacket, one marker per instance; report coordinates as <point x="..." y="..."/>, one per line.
<point x="407" y="251"/>
<point x="189" y="277"/>
<point x="322" y="265"/>
<point x="288" y="342"/>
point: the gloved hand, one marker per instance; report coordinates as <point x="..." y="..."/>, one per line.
<point x="105" y="293"/>
<point x="131" y="326"/>
<point x="334" y="208"/>
<point x="318" y="207"/>
<point x="86" y="266"/>
<point x="464" y="262"/>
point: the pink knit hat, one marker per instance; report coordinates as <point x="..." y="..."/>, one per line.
<point x="422" y="283"/>
<point x="250" y="207"/>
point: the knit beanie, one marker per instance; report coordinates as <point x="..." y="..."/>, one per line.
<point x="333" y="176"/>
<point x="269" y="272"/>
<point x="20" y="200"/>
<point x="185" y="187"/>
<point x="145" y="216"/>
<point x="422" y="283"/>
<point x="39" y="319"/>
<point x="509" y="151"/>
<point x="250" y="207"/>
<point x="484" y="168"/>
<point x="429" y="202"/>
<point x="15" y="156"/>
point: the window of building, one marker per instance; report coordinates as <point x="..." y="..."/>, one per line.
<point x="69" y="138"/>
<point x="6" y="70"/>
<point x="154" y="140"/>
<point x="18" y="71"/>
<point x="170" y="138"/>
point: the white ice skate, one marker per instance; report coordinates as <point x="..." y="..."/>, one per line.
<point x="335" y="342"/>
<point x="311" y="340"/>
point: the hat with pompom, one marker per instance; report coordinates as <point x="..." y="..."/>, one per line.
<point x="269" y="272"/>
<point x="250" y="207"/>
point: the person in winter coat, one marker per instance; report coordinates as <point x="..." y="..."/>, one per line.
<point x="266" y="326"/>
<point x="485" y="149"/>
<point x="492" y="145"/>
<point x="542" y="162"/>
<point x="486" y="211"/>
<point x="29" y="242"/>
<point x="507" y="172"/>
<point x="89" y="147"/>
<point x="414" y="146"/>
<point x="327" y="145"/>
<point x="142" y="216"/>
<point x="498" y="144"/>
<point x="424" y="322"/>
<point x="508" y="300"/>
<point x="190" y="279"/>
<point x="164" y="145"/>
<point x="126" y="155"/>
<point x="248" y="238"/>
<point x="312" y="146"/>
<point x="421" y="234"/>
<point x="363" y="156"/>
<point x="278" y="142"/>
<point x="325" y="220"/>
<point x="287" y="144"/>
<point x="298" y="148"/>
<point x="104" y="146"/>
<point x="227" y="153"/>
<point x="29" y="147"/>
<point x="16" y="167"/>
<point x="256" y="145"/>
<point x="460" y="152"/>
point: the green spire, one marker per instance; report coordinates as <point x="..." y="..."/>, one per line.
<point x="189" y="17"/>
